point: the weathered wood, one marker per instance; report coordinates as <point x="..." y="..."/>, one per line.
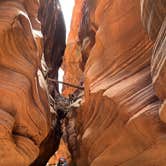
<point x="65" y="83"/>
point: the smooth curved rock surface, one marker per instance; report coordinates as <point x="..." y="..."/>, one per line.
<point x="72" y="56"/>
<point x="119" y="123"/>
<point x="26" y="120"/>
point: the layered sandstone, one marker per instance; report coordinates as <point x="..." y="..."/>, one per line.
<point x="122" y="121"/>
<point x="154" y="19"/>
<point x="27" y="125"/>
<point x="53" y="30"/>
<point x="73" y="73"/>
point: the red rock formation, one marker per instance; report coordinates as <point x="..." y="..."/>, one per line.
<point x="73" y="52"/>
<point x="27" y="124"/>
<point x="119" y="122"/>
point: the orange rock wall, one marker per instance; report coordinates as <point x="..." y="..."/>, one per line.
<point x="27" y="124"/>
<point x="25" y="116"/>
<point x="73" y="53"/>
<point x="122" y="119"/>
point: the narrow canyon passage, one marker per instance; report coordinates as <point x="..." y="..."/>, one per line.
<point x="112" y="110"/>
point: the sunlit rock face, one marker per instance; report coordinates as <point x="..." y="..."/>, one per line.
<point x="72" y="56"/>
<point x="122" y="121"/>
<point x="26" y="122"/>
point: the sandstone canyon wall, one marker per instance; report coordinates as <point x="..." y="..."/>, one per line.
<point x="73" y="73"/>
<point x="122" y="55"/>
<point x="28" y="128"/>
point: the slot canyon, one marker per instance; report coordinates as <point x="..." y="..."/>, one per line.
<point x="112" y="110"/>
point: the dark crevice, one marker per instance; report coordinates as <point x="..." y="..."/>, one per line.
<point x="54" y="32"/>
<point x="54" y="37"/>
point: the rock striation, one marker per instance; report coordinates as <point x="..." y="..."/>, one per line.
<point x="27" y="124"/>
<point x="72" y="58"/>
<point x="154" y="19"/>
<point x="123" y="56"/>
